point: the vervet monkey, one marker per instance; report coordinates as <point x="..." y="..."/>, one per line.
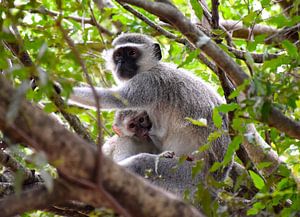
<point x="132" y="123"/>
<point x="132" y="128"/>
<point x="169" y="95"/>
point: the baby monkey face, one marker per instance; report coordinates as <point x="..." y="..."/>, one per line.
<point x="132" y="123"/>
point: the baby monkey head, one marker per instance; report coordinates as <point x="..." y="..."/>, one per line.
<point x="132" y="123"/>
<point x="133" y="53"/>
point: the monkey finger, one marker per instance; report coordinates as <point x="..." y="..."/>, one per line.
<point x="167" y="154"/>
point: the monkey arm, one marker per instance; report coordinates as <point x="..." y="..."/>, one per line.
<point x="109" y="98"/>
<point x="130" y="96"/>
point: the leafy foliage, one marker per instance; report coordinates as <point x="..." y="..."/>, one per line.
<point x="275" y="80"/>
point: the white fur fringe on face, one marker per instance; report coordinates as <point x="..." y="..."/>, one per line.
<point x="146" y="61"/>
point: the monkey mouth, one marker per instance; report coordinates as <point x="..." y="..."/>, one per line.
<point x="126" y="74"/>
<point x="143" y="134"/>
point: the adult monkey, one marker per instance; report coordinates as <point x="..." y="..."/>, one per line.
<point x="166" y="93"/>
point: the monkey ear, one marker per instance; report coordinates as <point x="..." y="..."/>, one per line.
<point x="157" y="51"/>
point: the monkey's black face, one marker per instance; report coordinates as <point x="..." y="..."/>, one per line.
<point x="125" y="59"/>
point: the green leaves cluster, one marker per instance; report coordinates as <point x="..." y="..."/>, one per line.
<point x="275" y="81"/>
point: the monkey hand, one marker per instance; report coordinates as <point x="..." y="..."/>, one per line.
<point x="117" y="130"/>
<point x="167" y="154"/>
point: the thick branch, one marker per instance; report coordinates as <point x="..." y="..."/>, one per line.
<point x="168" y="34"/>
<point x="73" y="156"/>
<point x="200" y="40"/>
<point x="286" y="6"/>
<point x="259" y="151"/>
<point x="215" y="13"/>
<point x="37" y="198"/>
<point x="9" y="162"/>
<point x="238" y="30"/>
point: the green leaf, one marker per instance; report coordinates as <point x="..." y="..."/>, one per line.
<point x="200" y="122"/>
<point x="257" y="180"/>
<point x="225" y="108"/>
<point x="265" y="3"/>
<point x="249" y="18"/>
<point x="290" y="48"/>
<point x="214" y="135"/>
<point x="217" y="119"/>
<point x="49" y="107"/>
<point x="239" y="89"/>
<point x="190" y="57"/>
<point x="265" y="110"/>
<point x="252" y="211"/>
<point x="257" y="207"/>
<point x="232" y="147"/>
<point x="263" y="165"/>
<point x="239" y="124"/>
<point x="203" y="148"/>
<point x="197" y="168"/>
<point x="215" y="166"/>
<point x="283" y="171"/>
<point x="197" y="9"/>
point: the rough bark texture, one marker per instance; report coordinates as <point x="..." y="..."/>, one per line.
<point x="200" y="40"/>
<point x="73" y="156"/>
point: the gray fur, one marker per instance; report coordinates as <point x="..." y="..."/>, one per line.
<point x="119" y="148"/>
<point x="168" y="95"/>
<point x="128" y="144"/>
<point x="170" y="174"/>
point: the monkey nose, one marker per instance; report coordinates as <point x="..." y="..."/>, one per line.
<point x="118" y="66"/>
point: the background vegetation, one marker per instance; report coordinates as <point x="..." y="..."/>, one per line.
<point x="51" y="42"/>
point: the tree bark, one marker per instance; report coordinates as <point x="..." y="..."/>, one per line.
<point x="73" y="156"/>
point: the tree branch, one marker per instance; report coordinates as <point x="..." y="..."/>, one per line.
<point x="45" y="11"/>
<point x="23" y="56"/>
<point x="257" y="58"/>
<point x="78" y="159"/>
<point x="200" y="40"/>
<point x="168" y="34"/>
<point x="215" y="13"/>
<point x="98" y="176"/>
<point x="7" y="161"/>
<point x="36" y="198"/>
<point x="286" y="6"/>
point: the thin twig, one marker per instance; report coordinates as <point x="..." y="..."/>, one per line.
<point x="45" y="11"/>
<point x="99" y="28"/>
<point x="99" y="184"/>
<point x="277" y="36"/>
<point x="18" y="50"/>
<point x="253" y="24"/>
<point x="88" y="79"/>
<point x="209" y="17"/>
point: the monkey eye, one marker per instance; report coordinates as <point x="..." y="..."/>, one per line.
<point x="118" y="54"/>
<point x="132" y="125"/>
<point x="132" y="52"/>
<point x="141" y="120"/>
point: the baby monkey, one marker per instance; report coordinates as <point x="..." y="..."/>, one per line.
<point x="132" y="123"/>
<point x="132" y="128"/>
